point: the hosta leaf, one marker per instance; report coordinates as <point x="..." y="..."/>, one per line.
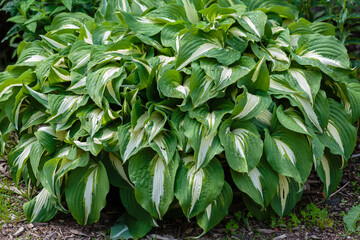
<point x="195" y="44"/>
<point x="79" y="54"/>
<point x="260" y="184"/>
<point x="217" y="210"/>
<point x="324" y="52"/>
<point x="117" y="172"/>
<point x="141" y="25"/>
<point x="130" y="141"/>
<point x="54" y="170"/>
<point x="171" y="85"/>
<point x="191" y="9"/>
<point x="92" y="119"/>
<point x="33" y="53"/>
<point x="154" y="181"/>
<point x="224" y="75"/>
<point x="350" y="94"/>
<point x="155" y="124"/>
<point x="48" y="138"/>
<point x="254" y="23"/>
<point x="32" y="118"/>
<point x="19" y="155"/>
<point x="36" y="152"/>
<point x="308" y="81"/>
<point x="63" y="106"/>
<point x="128" y="227"/>
<point x="205" y="144"/>
<point x="97" y="80"/>
<point x="165" y="145"/>
<point x="132" y="207"/>
<point x="42" y="208"/>
<point x="284" y="9"/>
<point x="339" y="135"/>
<point x="329" y="171"/>
<point x="212" y="116"/>
<point x="238" y="139"/>
<point x="292" y="120"/>
<point x="288" y="193"/>
<point x="258" y="78"/>
<point x="86" y="192"/>
<point x="288" y="153"/>
<point x="202" y="87"/>
<point x="249" y="105"/>
<point x="197" y="189"/>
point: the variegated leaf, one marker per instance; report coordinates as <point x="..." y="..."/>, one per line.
<point x="154" y="181"/>
<point x="86" y="192"/>
<point x="197" y="189"/>
<point x="238" y="139"/>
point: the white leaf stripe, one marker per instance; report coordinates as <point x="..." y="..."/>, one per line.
<point x="326" y="167"/>
<point x="299" y="76"/>
<point x="251" y="103"/>
<point x="257" y="70"/>
<point x="161" y="143"/>
<point x="60" y="75"/>
<point x="333" y="132"/>
<point x="255" y="178"/>
<point x="135" y="139"/>
<point x="40" y="202"/>
<point x="309" y="111"/>
<point x="198" y="53"/>
<point x="190" y="11"/>
<point x="158" y="182"/>
<point x="90" y="188"/>
<point x="285" y="150"/>
<point x="322" y="59"/>
<point x="196" y="186"/>
<point x="283" y="191"/>
<point x="239" y="137"/>
<point x="251" y="25"/>
<point x="205" y="144"/>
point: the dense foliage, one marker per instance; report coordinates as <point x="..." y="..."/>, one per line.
<point x="173" y="102"/>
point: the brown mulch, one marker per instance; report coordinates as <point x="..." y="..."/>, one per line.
<point x="65" y="227"/>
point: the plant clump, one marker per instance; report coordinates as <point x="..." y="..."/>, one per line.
<point x="174" y="101"/>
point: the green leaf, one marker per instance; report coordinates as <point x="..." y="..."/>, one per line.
<point x="42" y="208"/>
<point x="351" y="218"/>
<point x="194" y="44"/>
<point x="329" y="171"/>
<point x="339" y="135"/>
<point x="19" y="156"/>
<point x="154" y="181"/>
<point x="97" y="80"/>
<point x="206" y="143"/>
<point x="217" y="210"/>
<point x="63" y="106"/>
<point x="249" y="105"/>
<point x="323" y="52"/>
<point x="260" y="184"/>
<point x="86" y="192"/>
<point x="141" y="25"/>
<point x="67" y="4"/>
<point x="197" y="189"/>
<point x="128" y="227"/>
<point x="288" y="194"/>
<point x="254" y="23"/>
<point x="288" y="153"/>
<point x="238" y="139"/>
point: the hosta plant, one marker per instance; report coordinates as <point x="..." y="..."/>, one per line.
<point x="176" y="104"/>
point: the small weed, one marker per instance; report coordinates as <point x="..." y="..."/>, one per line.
<point x="231" y="227"/>
<point x="314" y="216"/>
<point x="10" y="207"/>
